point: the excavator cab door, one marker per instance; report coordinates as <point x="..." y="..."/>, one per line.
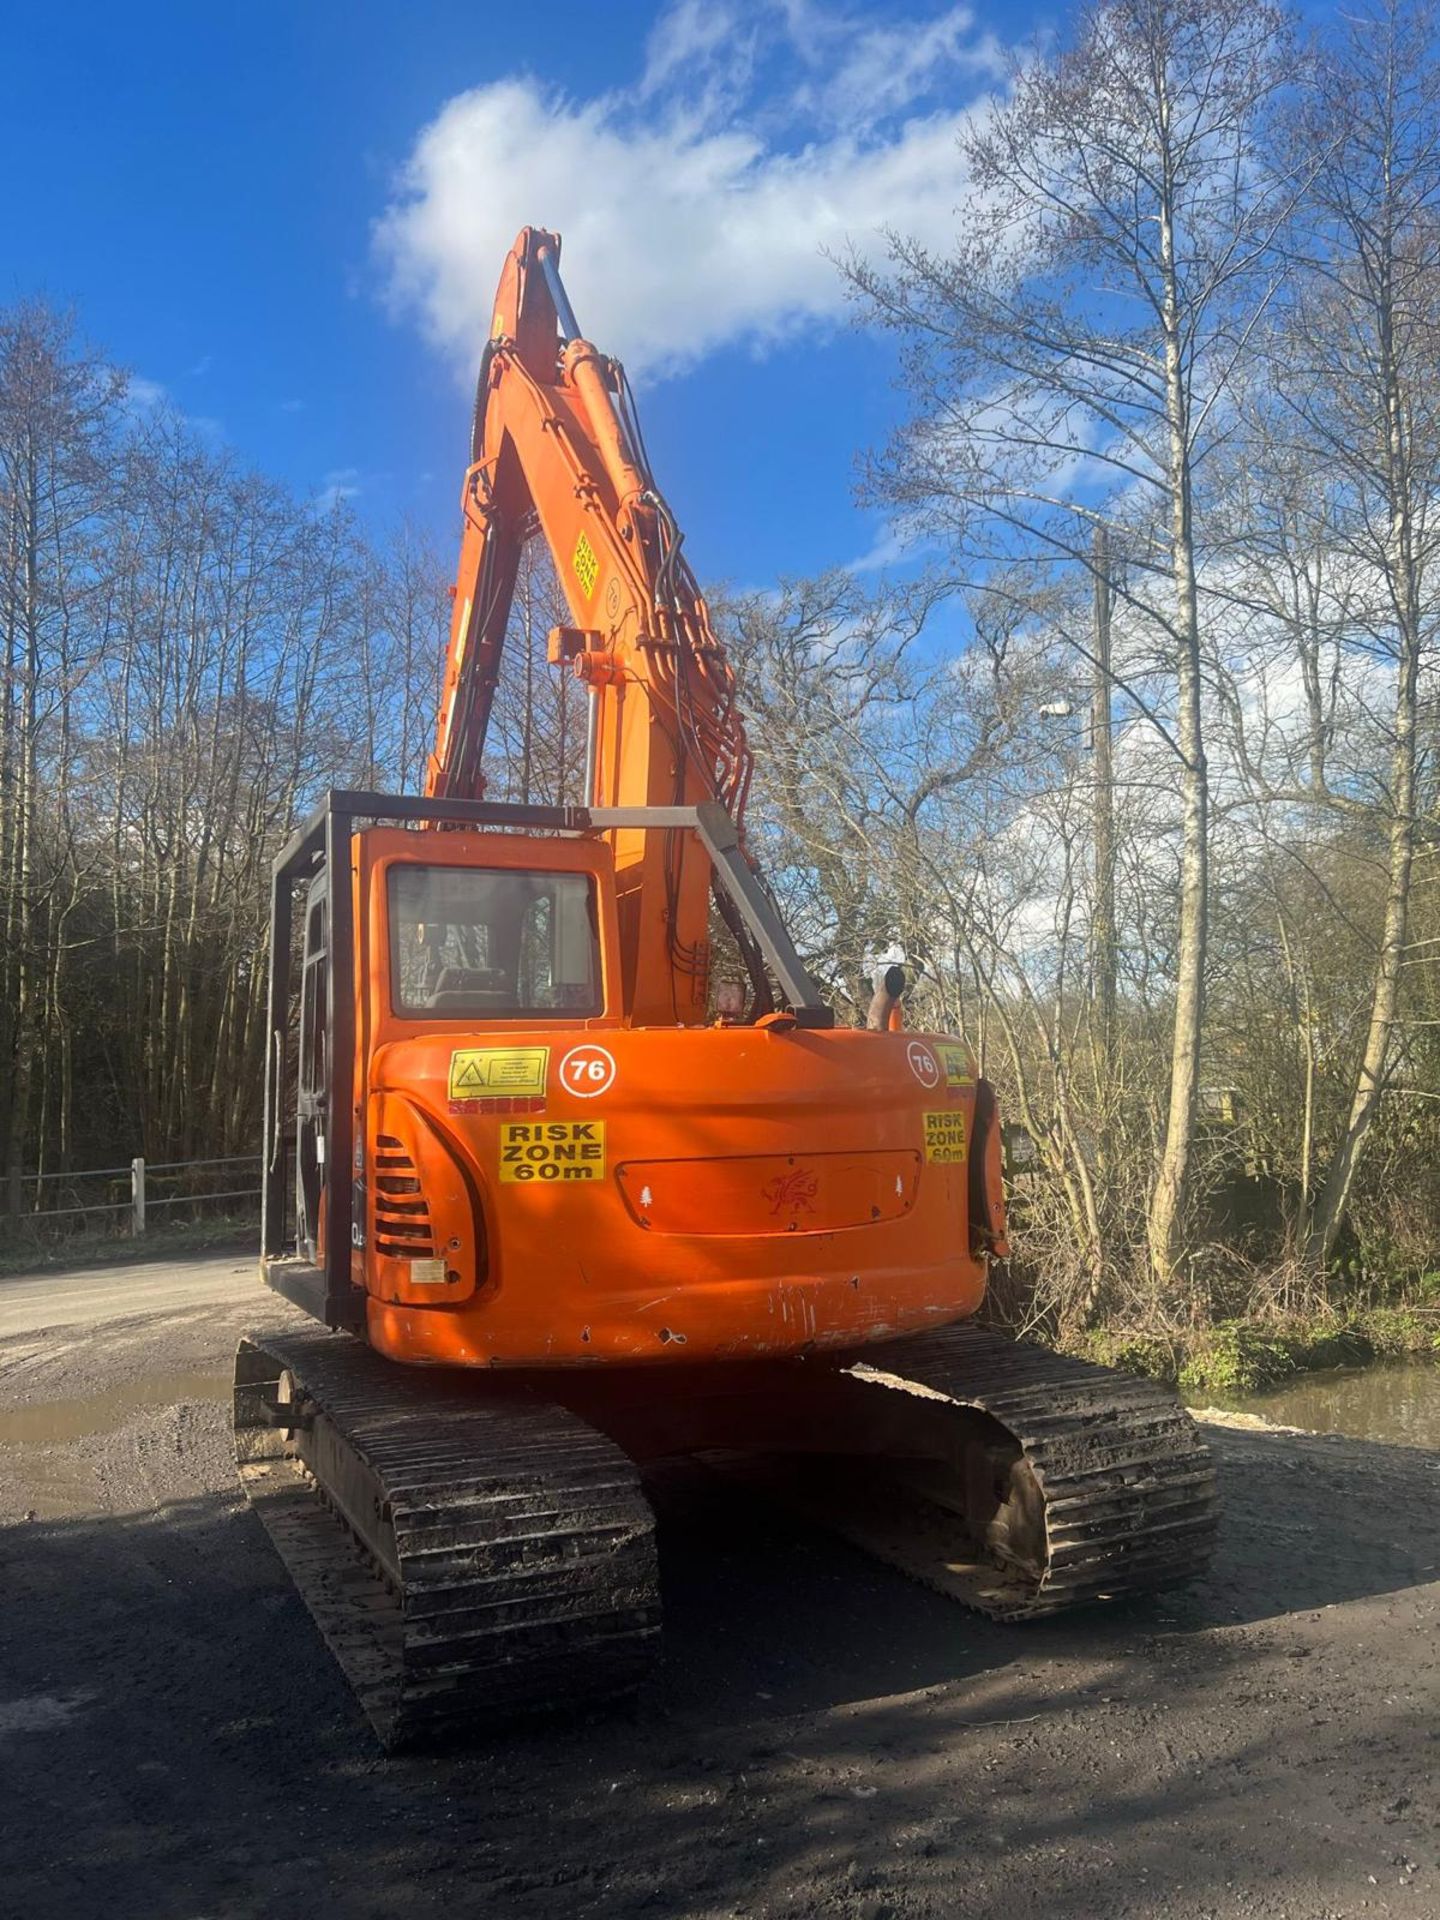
<point x="312" y="1086"/>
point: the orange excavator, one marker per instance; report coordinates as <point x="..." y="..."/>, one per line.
<point x="564" y="1202"/>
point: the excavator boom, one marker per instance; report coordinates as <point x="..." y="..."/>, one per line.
<point x="556" y="443"/>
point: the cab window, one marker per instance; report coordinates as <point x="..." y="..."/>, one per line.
<point x="493" y="943"/>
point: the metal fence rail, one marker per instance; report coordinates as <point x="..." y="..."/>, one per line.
<point x="138" y="1199"/>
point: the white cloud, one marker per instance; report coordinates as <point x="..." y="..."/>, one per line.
<point x="892" y="545"/>
<point x="698" y="206"/>
<point x="881" y="68"/>
<point x="143" y="394"/>
<point x="145" y="398"/>
<point x="689" y="35"/>
<point x="341" y="483"/>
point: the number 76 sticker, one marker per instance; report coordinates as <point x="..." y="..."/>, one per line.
<point x="587" y="1070"/>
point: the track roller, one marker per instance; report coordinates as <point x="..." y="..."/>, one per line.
<point x="1017" y="1480"/>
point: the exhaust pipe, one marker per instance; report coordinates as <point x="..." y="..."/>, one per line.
<point x="885" y="1015"/>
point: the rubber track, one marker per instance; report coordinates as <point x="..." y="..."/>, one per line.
<point x="1128" y="1483"/>
<point x="524" y="1543"/>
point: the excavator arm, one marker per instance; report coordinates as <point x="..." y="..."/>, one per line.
<point x="556" y="441"/>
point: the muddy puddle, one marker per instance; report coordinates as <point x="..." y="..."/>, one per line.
<point x="1399" y="1404"/>
<point x="62" y="1422"/>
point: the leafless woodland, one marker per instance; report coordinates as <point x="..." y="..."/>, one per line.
<point x="1135" y="766"/>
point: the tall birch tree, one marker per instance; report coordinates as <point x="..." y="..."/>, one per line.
<point x="1358" y="387"/>
<point x="1070" y="358"/>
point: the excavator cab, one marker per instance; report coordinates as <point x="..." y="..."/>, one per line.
<point x="460" y="1021"/>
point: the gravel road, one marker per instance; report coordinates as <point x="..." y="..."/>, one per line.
<point x="822" y="1737"/>
<point x="86" y="1298"/>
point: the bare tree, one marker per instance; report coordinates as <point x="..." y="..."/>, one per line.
<point x="58" y="407"/>
<point x="535" y="751"/>
<point x="416" y="586"/>
<point x="1071" y="358"/>
<point x="1365" y="327"/>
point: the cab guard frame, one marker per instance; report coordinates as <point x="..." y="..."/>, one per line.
<point x="327" y="1292"/>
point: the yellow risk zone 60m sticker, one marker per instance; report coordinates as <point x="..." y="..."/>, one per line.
<point x="548" y="1151"/>
<point x="945" y="1136"/>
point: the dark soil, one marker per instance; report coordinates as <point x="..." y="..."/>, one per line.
<point x="821" y="1738"/>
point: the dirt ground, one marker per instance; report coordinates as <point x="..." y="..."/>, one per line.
<point x="821" y="1737"/>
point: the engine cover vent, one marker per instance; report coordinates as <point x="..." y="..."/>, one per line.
<point x="402" y="1213"/>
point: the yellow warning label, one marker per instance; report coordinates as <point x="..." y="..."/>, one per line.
<point x="548" y="1151"/>
<point x="945" y="1137"/>
<point x="959" y="1071"/>
<point x="479" y="1071"/>
<point x="586" y="566"/>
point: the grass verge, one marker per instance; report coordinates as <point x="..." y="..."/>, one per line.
<point x="22" y="1253"/>
<point x="1247" y="1356"/>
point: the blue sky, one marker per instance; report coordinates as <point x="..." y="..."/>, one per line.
<point x="290" y="218"/>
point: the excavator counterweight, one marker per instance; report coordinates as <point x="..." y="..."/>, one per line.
<point x="564" y="1209"/>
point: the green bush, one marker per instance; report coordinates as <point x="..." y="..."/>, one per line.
<point x="1239" y="1357"/>
<point x="1149" y="1354"/>
<point x="1391" y="1331"/>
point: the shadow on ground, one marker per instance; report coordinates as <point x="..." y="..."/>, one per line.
<point x="821" y="1737"/>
